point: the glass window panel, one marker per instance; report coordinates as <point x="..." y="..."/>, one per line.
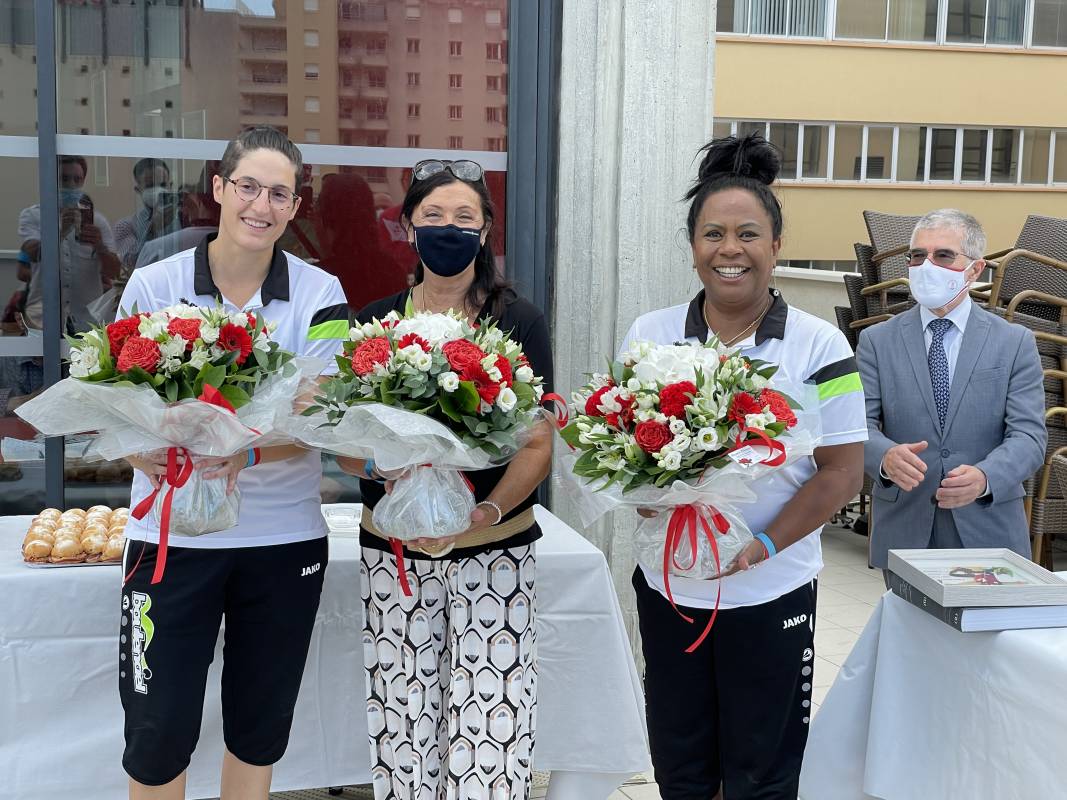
<point x="18" y="75"/>
<point x="943" y="154"/>
<point x="848" y="152"/>
<point x="974" y="155"/>
<point x="816" y="149"/>
<point x="1050" y="23"/>
<point x="807" y="18"/>
<point x="861" y="19"/>
<point x="784" y="137"/>
<point x="911" y="153"/>
<point x="768" y="17"/>
<point x="913" y="20"/>
<point x="1059" y="164"/>
<point x="720" y="130"/>
<point x="1035" y="155"/>
<point x="1005" y="165"/>
<point x="879" y="153"/>
<point x="745" y="128"/>
<point x="1005" y="21"/>
<point x="965" y="21"/>
<point x="731" y="16"/>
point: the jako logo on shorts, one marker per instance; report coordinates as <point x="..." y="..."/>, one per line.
<point x="141" y="633"/>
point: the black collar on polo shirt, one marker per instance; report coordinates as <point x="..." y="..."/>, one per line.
<point x="771" y="327"/>
<point x="275" y="285"/>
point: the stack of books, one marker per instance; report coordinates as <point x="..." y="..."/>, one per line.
<point x="980" y="589"/>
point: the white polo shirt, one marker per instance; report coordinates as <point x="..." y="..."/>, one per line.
<point x="808" y="351"/>
<point x="279" y="500"/>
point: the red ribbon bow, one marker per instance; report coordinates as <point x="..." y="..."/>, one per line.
<point x="776" y="448"/>
<point x="683" y="525"/>
<point x="175" y="478"/>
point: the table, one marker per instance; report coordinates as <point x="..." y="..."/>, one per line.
<point x="920" y="710"/>
<point x="61" y="721"/>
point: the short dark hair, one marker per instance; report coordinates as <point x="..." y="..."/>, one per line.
<point x="79" y="160"/>
<point x="146" y="165"/>
<point x="262" y="137"/>
<point x="750" y="163"/>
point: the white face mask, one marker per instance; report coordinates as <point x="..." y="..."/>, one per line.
<point x="935" y="287"/>
<point x="150" y="196"/>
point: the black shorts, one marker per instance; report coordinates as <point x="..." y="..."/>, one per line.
<point x="735" y="712"/>
<point x="269" y="596"/>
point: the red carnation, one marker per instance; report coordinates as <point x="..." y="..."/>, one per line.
<point x="235" y="337"/>
<point x="779" y="407"/>
<point x="506" y="375"/>
<point x="742" y="405"/>
<point x="413" y="338"/>
<point x="188" y="329"/>
<point x="118" y="332"/>
<point x="371" y="353"/>
<point x="462" y="353"/>
<point x="138" y="352"/>
<point x="622" y="419"/>
<point x="674" y="397"/>
<point x="488" y="389"/>
<point x="652" y="436"/>
<point x="592" y="405"/>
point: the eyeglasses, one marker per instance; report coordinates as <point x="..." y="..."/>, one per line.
<point x="941" y="256"/>
<point x="464" y="169"/>
<point x="249" y="190"/>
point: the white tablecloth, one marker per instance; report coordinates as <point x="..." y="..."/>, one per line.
<point x="920" y="711"/>
<point x="61" y="721"/>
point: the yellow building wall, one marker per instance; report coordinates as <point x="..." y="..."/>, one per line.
<point x="822" y="221"/>
<point x="839" y="82"/>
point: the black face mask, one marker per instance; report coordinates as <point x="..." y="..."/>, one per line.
<point x="447" y="250"/>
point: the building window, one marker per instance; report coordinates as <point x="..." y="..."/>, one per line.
<point x="375" y="46"/>
<point x="492" y="83"/>
<point x="311" y="38"/>
<point x="784" y="136"/>
<point x="492" y="51"/>
<point x="311" y="105"/>
<point x="413" y="45"/>
<point x="1036" y="150"/>
<point x="455" y="49"/>
<point x="376" y="78"/>
<point x="375" y="174"/>
<point x="311" y="135"/>
<point x="311" y="5"/>
<point x="455" y="16"/>
<point x="455" y="112"/>
<point x="414" y="140"/>
<point x="376" y="110"/>
<point x="455" y="81"/>
<point x="413" y="12"/>
<point x="1000" y="22"/>
<point x="973" y="159"/>
<point x="493" y="17"/>
<point x="492" y="114"/>
<point x="1004" y="163"/>
<point x="455" y="142"/>
<point x="816" y="151"/>
<point x="1050" y="23"/>
<point x="414" y="109"/>
<point x="413" y="79"/>
<point x="496" y="144"/>
<point x="805" y="18"/>
<point x="376" y="140"/>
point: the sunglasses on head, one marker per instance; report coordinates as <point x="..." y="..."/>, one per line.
<point x="942" y="256"/>
<point x="464" y="169"/>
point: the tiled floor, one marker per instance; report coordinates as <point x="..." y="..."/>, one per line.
<point x="848" y="592"/>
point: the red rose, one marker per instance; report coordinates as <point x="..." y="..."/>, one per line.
<point x="742" y="405"/>
<point x="138" y="352"/>
<point x="488" y="389"/>
<point x="413" y="338"/>
<point x="462" y="353"/>
<point x="779" y="407"/>
<point x="236" y="337"/>
<point x="592" y="405"/>
<point x="118" y="332"/>
<point x="674" y="397"/>
<point x="506" y="375"/>
<point x="652" y="436"/>
<point x="371" y="353"/>
<point x="188" y="329"/>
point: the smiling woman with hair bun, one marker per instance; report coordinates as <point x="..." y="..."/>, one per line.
<point x="733" y="715"/>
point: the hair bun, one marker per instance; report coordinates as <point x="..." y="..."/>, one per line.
<point x="750" y="156"/>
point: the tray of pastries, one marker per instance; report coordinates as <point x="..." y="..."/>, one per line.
<point x="76" y="537"/>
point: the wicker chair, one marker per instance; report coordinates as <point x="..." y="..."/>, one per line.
<point x="1038" y="259"/>
<point x="844" y="322"/>
<point x="872" y="302"/>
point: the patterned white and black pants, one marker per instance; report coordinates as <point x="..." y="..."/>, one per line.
<point x="451" y="675"/>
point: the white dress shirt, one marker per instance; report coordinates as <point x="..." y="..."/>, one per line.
<point x="954" y="336"/>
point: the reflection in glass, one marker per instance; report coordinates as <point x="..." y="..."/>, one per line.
<point x="911" y="153"/>
<point x="974" y="155"/>
<point x="879" y="153"/>
<point x="913" y="20"/>
<point x="816" y="148"/>
<point x="18" y="76"/>
<point x="942" y="154"/>
<point x="848" y="152"/>
<point x="732" y="16"/>
<point x="1005" y="22"/>
<point x="1035" y="155"/>
<point x="861" y="19"/>
<point x="1050" y="23"/>
<point x="965" y="21"/>
<point x="784" y="136"/>
<point x="1005" y="165"/>
<point x="1059" y="163"/>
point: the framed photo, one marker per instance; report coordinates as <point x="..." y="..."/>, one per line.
<point x="978" y="577"/>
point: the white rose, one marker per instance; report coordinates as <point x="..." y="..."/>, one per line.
<point x="173" y="348"/>
<point x="506" y="399"/>
<point x="355" y="334"/>
<point x="209" y="333"/>
<point x="524" y="374"/>
<point x="84" y="361"/>
<point x="422" y="361"/>
<point x="449" y="381"/>
<point x="708" y="439"/>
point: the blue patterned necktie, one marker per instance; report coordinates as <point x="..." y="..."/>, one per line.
<point x="938" y="363"/>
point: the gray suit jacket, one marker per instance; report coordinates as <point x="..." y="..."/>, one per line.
<point x="995" y="421"/>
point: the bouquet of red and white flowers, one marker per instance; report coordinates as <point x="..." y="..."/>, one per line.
<point x="425" y="390"/>
<point x="198" y="382"/>
<point x="685" y="429"/>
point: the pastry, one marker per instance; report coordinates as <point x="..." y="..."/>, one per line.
<point x="113" y="549"/>
<point x="120" y="513"/>
<point x="94" y="528"/>
<point x="103" y="509"/>
<point x="94" y="545"/>
<point x="67" y="551"/>
<point x="40" y="535"/>
<point x="45" y="522"/>
<point x="50" y="513"/>
<point x="73" y="514"/>
<point x="37" y="551"/>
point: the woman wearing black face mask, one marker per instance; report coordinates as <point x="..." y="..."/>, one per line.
<point x="450" y="671"/>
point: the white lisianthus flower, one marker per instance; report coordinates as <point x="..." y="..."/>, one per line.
<point x="368" y="330"/>
<point x="708" y="439"/>
<point x="646" y="401"/>
<point x="152" y="327"/>
<point x="506" y="399"/>
<point x="524" y="374"/>
<point x="422" y="361"/>
<point x="678" y="426"/>
<point x="171" y="365"/>
<point x="355" y="334"/>
<point x="633" y="384"/>
<point x="759" y="421"/>
<point x="491" y="369"/>
<point x="491" y="338"/>
<point x="434" y="328"/>
<point x="681" y="443"/>
<point x="539" y="392"/>
<point x="84" y="361"/>
<point x="198" y="357"/>
<point x="209" y="333"/>
<point x="449" y="381"/>
<point x="759" y="383"/>
<point x="484" y="408"/>
<point x="173" y="348"/>
<point x="672" y="460"/>
<point x="239" y="318"/>
<point x="611" y="461"/>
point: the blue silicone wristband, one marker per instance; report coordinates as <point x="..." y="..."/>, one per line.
<point x="251" y="458"/>
<point x="368" y="469"/>
<point x="766" y="541"/>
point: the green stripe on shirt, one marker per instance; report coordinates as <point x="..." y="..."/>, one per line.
<point x="334" y="329"/>
<point x="839" y="386"/>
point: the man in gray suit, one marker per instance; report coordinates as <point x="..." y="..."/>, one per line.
<point x="955" y="406"/>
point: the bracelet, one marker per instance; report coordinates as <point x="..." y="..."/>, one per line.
<point x="253" y="457"/>
<point x="767" y="542"/>
<point x="369" y="472"/>
<point x="499" y="513"/>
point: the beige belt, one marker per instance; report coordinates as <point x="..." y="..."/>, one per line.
<point x="495" y="533"/>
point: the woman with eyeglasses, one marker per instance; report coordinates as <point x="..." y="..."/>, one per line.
<point x="733" y="715"/>
<point x="451" y="678"/>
